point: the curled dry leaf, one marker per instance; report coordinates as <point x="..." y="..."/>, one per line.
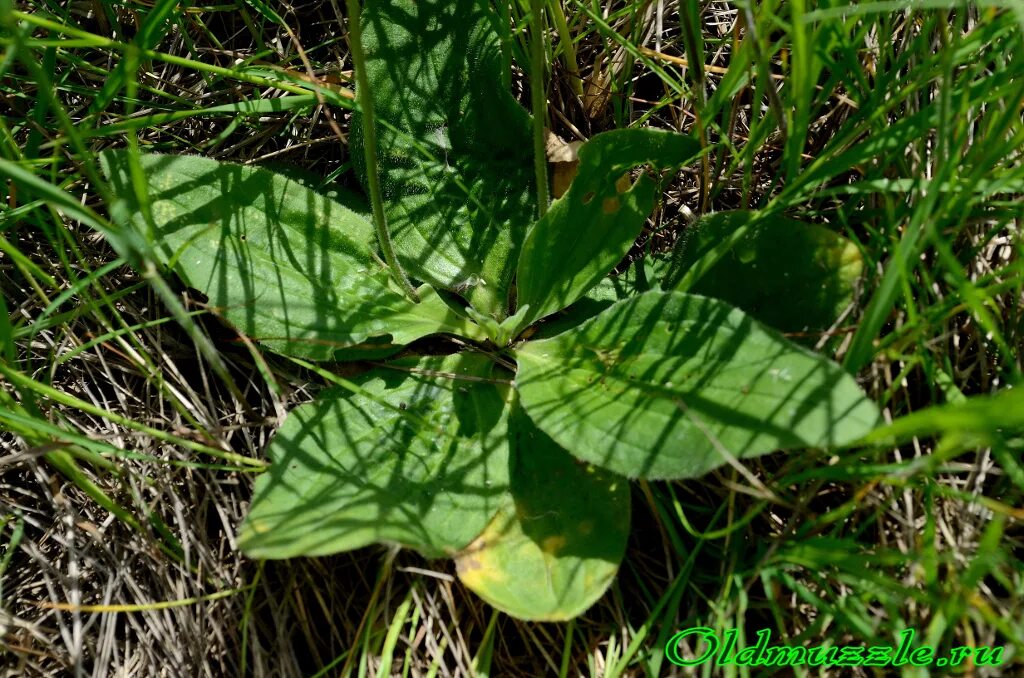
<point x="597" y="91"/>
<point x="563" y="159"/>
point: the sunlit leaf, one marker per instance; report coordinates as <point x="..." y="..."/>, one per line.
<point x="638" y="277"/>
<point x="285" y="265"/>
<point x="419" y="459"/>
<point x="455" y="147"/>
<point x="552" y="552"/>
<point x="589" y="229"/>
<point x="666" y="385"/>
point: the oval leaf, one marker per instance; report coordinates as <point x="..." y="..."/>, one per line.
<point x="285" y="265"/>
<point x="554" y="552"/>
<point x="419" y="458"/>
<point x="665" y="385"/>
<point x="456" y="151"/>
<point x="788" y="274"/>
<point x="591" y="228"/>
<point x="631" y="282"/>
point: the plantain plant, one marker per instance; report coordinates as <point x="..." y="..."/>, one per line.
<point x="507" y="441"/>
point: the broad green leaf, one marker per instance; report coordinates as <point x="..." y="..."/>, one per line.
<point x="455" y="146"/>
<point x="419" y="458"/>
<point x="639" y="277"/>
<point x="788" y="274"/>
<point x="282" y="263"/>
<point x="554" y="552"/>
<point x="591" y="228"/>
<point x="665" y="384"/>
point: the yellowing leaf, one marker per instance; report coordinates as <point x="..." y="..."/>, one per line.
<point x="552" y="552"/>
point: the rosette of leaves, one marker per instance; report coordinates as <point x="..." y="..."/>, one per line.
<point x="511" y="450"/>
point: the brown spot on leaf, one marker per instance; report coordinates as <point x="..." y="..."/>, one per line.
<point x="467" y="564"/>
<point x="553" y="544"/>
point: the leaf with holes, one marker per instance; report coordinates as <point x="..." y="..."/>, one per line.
<point x="589" y="229"/>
